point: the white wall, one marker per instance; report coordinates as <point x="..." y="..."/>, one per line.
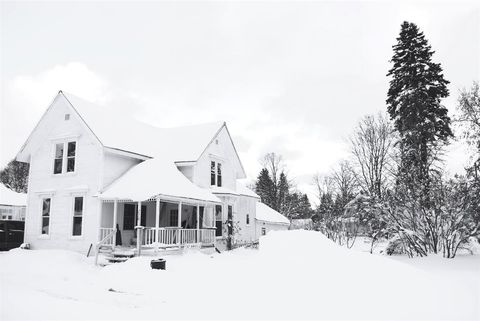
<point x="269" y="226"/>
<point x="222" y="152"/>
<point x="115" y="166"/>
<point x="61" y="188"/>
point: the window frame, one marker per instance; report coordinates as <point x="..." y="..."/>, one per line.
<point x="65" y="157"/>
<point x="219" y="174"/>
<point x="263" y="231"/>
<point x="214" y="173"/>
<point x="73" y="197"/>
<point x="247" y="219"/>
<point x="42" y="199"/>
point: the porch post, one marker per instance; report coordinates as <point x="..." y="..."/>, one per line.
<point x="198" y="222"/>
<point x="157" y="222"/>
<point x="179" y="221"/>
<point x="139" y="222"/>
<point x="115" y="211"/>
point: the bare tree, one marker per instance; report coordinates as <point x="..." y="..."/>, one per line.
<point x="274" y="163"/>
<point x="371" y="146"/>
<point x="323" y="185"/>
<point x="344" y="182"/>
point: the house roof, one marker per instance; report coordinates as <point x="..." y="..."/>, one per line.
<point x="9" y="197"/>
<point x="155" y="177"/>
<point x="115" y="130"/>
<point x="245" y="191"/>
<point x="268" y="214"/>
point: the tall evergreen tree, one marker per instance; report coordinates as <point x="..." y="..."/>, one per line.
<point x="265" y="189"/>
<point x="283" y="190"/>
<point x="414" y="103"/>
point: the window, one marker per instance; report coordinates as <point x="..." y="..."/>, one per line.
<point x="57" y="166"/>
<point x="248" y="219"/>
<point x="215" y="174"/>
<point x="130" y="216"/>
<point x="10" y="217"/>
<point x="219" y="175"/>
<point x="212" y="173"/>
<point x="71" y="156"/>
<point x="67" y="116"/>
<point x="64" y="157"/>
<point x="218" y="220"/>
<point x="264" y="231"/>
<point x="173" y="217"/>
<point x="46" y="215"/>
<point x="77" y="216"/>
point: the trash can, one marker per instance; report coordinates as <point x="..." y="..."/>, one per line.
<point x="158" y="264"/>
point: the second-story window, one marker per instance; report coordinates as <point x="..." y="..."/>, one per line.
<point x="219" y="175"/>
<point x="71" y="156"/>
<point x="212" y="173"/>
<point x="215" y="174"/>
<point x="64" y="161"/>
<point x="58" y="162"/>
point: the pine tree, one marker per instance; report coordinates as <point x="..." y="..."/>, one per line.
<point x="265" y="189"/>
<point x="414" y="103"/>
<point x="283" y="190"/>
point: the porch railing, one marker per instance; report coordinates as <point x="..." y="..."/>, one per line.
<point x="106" y="236"/>
<point x="177" y="237"/>
<point x="207" y="236"/>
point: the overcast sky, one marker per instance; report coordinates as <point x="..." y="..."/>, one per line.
<point x="289" y="77"/>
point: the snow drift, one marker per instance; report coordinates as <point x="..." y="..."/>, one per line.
<point x="294" y="275"/>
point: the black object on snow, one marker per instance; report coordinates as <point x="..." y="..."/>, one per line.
<point x="159" y="264"/>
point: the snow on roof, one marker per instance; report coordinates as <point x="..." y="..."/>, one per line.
<point x="243" y="190"/>
<point x="268" y="214"/>
<point x="223" y="190"/>
<point x="9" y="197"/>
<point x="116" y="131"/>
<point x="155" y="177"/>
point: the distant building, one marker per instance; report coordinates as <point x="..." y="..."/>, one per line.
<point x="301" y="224"/>
<point x="12" y="204"/>
<point x="269" y="220"/>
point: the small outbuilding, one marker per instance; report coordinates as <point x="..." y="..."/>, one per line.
<point x="12" y="204"/>
<point x="268" y="219"/>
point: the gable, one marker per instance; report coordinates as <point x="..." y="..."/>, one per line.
<point x="53" y="125"/>
<point x="225" y="149"/>
<point x="119" y="133"/>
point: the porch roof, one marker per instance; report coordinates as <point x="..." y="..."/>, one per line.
<point x="155" y="177"/>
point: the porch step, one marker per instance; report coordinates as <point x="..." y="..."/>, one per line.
<point x="114" y="259"/>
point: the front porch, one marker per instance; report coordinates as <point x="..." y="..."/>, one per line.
<point x="156" y="224"/>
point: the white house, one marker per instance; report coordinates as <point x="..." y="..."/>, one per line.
<point x="97" y="177"/>
<point x="12" y="204"/>
<point x="267" y="219"/>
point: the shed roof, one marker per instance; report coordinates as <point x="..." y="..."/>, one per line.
<point x="268" y="214"/>
<point x="9" y="197"/>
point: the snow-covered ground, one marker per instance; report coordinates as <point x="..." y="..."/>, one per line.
<point x="294" y="275"/>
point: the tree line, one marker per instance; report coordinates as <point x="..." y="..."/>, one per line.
<point x="278" y="192"/>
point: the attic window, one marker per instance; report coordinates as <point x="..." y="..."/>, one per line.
<point x="216" y="141"/>
<point x="67" y="116"/>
